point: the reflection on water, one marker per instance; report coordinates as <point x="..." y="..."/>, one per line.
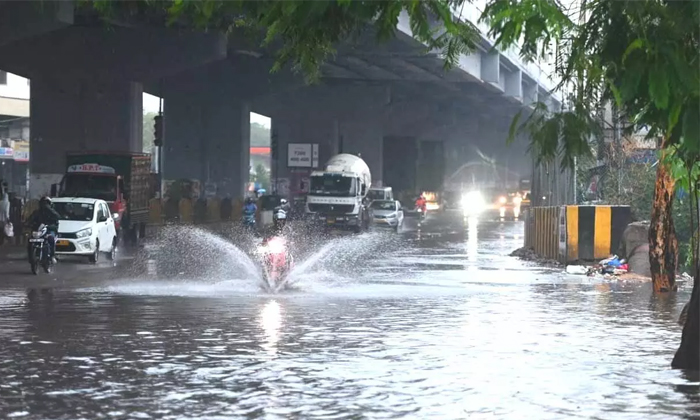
<point x="504" y="343"/>
<point x="271" y="321"/>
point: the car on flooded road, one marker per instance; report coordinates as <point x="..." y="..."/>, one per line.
<point x="386" y="214"/>
<point x="86" y="228"/>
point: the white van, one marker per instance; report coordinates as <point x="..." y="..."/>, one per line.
<point x="383" y="193"/>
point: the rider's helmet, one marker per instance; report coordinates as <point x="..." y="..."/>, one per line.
<point x="249" y="200"/>
<point x="283" y="201"/>
<point x="45" y="201"/>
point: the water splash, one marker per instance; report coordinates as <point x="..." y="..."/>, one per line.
<point x="196" y="253"/>
<point x="339" y="261"/>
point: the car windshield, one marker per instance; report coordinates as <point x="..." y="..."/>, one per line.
<point x="75" y="211"/>
<point x="93" y="186"/>
<point x="383" y="205"/>
<point x="333" y="185"/>
<point x="375" y="194"/>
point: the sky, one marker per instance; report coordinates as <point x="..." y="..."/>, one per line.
<point x="150" y="104"/>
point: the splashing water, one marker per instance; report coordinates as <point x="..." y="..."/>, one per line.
<point x="204" y="263"/>
<point x="337" y="262"/>
<point x="197" y="253"/>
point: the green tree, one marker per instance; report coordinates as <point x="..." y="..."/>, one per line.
<point x="259" y="135"/>
<point x="148" y="134"/>
<point x="641" y="56"/>
<point x="261" y="176"/>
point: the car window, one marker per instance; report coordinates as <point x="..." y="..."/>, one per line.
<point x="105" y="209"/>
<point x="75" y="211"/>
<point x="383" y="205"/>
<point x="100" y="212"/>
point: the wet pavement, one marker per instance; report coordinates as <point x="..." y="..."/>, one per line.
<point x="436" y="322"/>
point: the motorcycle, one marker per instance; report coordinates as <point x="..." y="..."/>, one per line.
<point x="276" y="262"/>
<point x="249" y="221"/>
<point x="421" y="212"/>
<point x="39" y="250"/>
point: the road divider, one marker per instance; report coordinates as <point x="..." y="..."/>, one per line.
<point x="571" y="234"/>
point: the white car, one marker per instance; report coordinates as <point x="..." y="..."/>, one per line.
<point x="386" y="213"/>
<point x="86" y="228"/>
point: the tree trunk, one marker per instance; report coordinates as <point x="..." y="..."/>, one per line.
<point x="688" y="354"/>
<point x="663" y="246"/>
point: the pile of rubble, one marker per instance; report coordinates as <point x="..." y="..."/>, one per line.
<point x="529" y="254"/>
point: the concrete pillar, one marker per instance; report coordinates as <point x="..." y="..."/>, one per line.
<point x="400" y="160"/>
<point x="365" y="137"/>
<point x="306" y="128"/>
<point x="207" y="138"/>
<point x="80" y="114"/>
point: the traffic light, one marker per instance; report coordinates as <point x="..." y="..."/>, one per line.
<point x="273" y="146"/>
<point x="158" y="130"/>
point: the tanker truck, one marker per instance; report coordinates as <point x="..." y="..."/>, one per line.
<point x="336" y="197"/>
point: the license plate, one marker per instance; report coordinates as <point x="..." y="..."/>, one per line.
<point x="330" y="221"/>
<point x="36" y="240"/>
<point x="62" y="243"/>
<point x="339" y="219"/>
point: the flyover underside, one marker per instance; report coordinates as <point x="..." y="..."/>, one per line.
<point x="368" y="93"/>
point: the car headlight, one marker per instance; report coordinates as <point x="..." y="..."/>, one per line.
<point x="83" y="233"/>
<point x="473" y="202"/>
<point x="391" y="216"/>
<point x="517" y="200"/>
<point x="502" y="200"/>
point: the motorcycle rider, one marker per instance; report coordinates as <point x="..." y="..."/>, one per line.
<point x="249" y="211"/>
<point x="421" y="203"/>
<point x="45" y="215"/>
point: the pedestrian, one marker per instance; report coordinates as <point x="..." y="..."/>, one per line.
<point x="4" y="215"/>
<point x="16" y="207"/>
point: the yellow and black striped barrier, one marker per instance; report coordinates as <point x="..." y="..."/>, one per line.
<point x="576" y="233"/>
<point x="594" y="232"/>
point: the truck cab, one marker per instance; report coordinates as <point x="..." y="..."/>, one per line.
<point x="336" y="196"/>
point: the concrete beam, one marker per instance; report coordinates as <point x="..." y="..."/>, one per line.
<point x="514" y="84"/>
<point x="491" y="68"/>
<point x="26" y="19"/>
<point x="530" y="94"/>
<point x="127" y="53"/>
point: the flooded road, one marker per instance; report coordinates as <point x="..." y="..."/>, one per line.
<point x="433" y="323"/>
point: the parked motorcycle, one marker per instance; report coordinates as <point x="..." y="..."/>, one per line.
<point x="276" y="262"/>
<point x="39" y="250"/>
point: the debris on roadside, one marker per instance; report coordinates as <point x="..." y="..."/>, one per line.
<point x="612" y="268"/>
<point x="529" y="254"/>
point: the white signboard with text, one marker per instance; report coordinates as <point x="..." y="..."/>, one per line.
<point x="302" y="155"/>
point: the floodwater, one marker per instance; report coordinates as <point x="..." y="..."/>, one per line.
<point x="436" y="323"/>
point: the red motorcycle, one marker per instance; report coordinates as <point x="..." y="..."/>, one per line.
<point x="276" y="262"/>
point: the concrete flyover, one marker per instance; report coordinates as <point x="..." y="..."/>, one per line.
<point x="87" y="80"/>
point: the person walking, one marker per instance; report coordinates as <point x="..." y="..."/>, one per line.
<point x="4" y="215"/>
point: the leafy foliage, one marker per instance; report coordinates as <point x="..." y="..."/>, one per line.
<point x="306" y="33"/>
<point x="641" y="55"/>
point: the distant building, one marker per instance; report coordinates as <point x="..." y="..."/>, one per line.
<point x="14" y="131"/>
